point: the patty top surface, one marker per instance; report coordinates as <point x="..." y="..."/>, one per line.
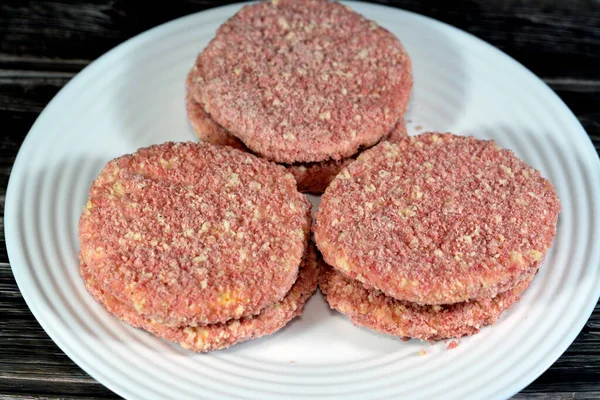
<point x="437" y="218"/>
<point x="303" y="80"/>
<point x="192" y="233"/>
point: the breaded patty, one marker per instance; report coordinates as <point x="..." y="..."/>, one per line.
<point x="374" y="310"/>
<point x="437" y="219"/>
<point x="218" y="336"/>
<point x="192" y="233"/>
<point x="303" y="80"/>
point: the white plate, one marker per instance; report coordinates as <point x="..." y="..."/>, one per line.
<point x="133" y="97"/>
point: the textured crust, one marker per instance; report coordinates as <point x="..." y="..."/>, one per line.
<point x="437" y="219"/>
<point x="192" y="233"/>
<point x="303" y="80"/>
<point x="315" y="177"/>
<point x="374" y="310"/>
<point x="206" y="129"/>
<point x="218" y="336"/>
<point x="310" y="177"/>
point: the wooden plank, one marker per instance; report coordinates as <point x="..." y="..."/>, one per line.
<point x="29" y="351"/>
<point x="553" y="38"/>
<point x="31" y="363"/>
<point x="592" y="395"/>
<point x="43" y="44"/>
<point x="62" y="396"/>
<point x="582" y="97"/>
<point x="24" y="94"/>
<point x="36" y="389"/>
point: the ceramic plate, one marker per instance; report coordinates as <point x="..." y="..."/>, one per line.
<point x="133" y="96"/>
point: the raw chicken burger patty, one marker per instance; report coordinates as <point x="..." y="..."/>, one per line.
<point x="437" y="219"/>
<point x="218" y="336"/>
<point x="310" y="177"/>
<point x="374" y="310"/>
<point x="303" y="80"/>
<point x="190" y="234"/>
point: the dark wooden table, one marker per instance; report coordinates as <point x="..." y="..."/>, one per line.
<point x="43" y="44"/>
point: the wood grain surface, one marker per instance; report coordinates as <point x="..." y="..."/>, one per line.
<point x="43" y="44"/>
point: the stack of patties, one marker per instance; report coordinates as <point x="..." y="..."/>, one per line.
<point x="199" y="244"/>
<point x="304" y="83"/>
<point x="433" y="237"/>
